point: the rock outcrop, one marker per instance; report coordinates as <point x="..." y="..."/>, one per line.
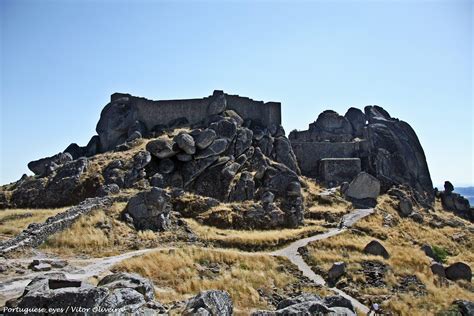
<point x="118" y="293"/>
<point x="387" y="147"/>
<point x="455" y="202"/>
<point x="310" y="304"/>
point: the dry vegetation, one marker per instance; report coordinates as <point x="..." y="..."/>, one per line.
<point x="320" y="205"/>
<point x="100" y="234"/>
<point x="253" y="239"/>
<point x="13" y="221"/>
<point x="403" y="242"/>
<point x="182" y="273"/>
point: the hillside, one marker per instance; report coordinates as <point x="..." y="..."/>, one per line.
<point x="206" y="207"/>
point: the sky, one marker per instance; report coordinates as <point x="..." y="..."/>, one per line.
<point x="61" y="60"/>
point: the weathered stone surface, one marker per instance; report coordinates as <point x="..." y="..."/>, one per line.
<point x="456" y="203"/>
<point x="217" y="147"/>
<point x="363" y="186"/>
<point x="377" y="249"/>
<point x="210" y="303"/>
<point x="405" y="207"/>
<point x="161" y="148"/>
<point x="118" y="291"/>
<point x="40" y="166"/>
<point x="465" y="307"/>
<point x="186" y="143"/>
<point x="334" y="171"/>
<point x="129" y="280"/>
<point x="284" y="154"/>
<point x="357" y="119"/>
<point x="388" y="148"/>
<point x="205" y="138"/>
<point x="150" y="210"/>
<point x="218" y="103"/>
<point x="243" y="189"/>
<point x="459" y="271"/>
<point x="224" y="129"/>
<point x="337" y="270"/>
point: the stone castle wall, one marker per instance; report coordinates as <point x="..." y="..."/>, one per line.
<point x="162" y="112"/>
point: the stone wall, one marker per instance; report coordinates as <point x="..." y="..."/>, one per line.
<point x="309" y="154"/>
<point x="334" y="171"/>
<point x="124" y="110"/>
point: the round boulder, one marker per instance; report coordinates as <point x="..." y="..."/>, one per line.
<point x="459" y="271"/>
<point x="377" y="249"/>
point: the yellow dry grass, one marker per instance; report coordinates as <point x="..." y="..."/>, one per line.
<point x="14" y="221"/>
<point x="253" y="239"/>
<point x="403" y="242"/>
<point x="86" y="235"/>
<point x="182" y="273"/>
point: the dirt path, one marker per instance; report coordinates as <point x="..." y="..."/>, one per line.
<point x="85" y="268"/>
<point x="291" y="252"/>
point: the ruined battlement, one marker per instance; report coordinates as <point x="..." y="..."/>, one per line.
<point x="124" y="110"/>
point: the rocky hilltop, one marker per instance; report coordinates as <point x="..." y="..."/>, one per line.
<point x="342" y="215"/>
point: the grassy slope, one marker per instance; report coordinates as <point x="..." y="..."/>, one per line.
<point x="403" y="242"/>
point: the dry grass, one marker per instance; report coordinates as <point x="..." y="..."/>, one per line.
<point x="403" y="242"/>
<point x="323" y="206"/>
<point x="253" y="239"/>
<point x="89" y="235"/>
<point x="14" y="221"/>
<point x="182" y="273"/>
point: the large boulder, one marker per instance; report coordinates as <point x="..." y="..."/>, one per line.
<point x="357" y="119"/>
<point x="186" y="143"/>
<point x="396" y="155"/>
<point x="129" y="280"/>
<point x="43" y="166"/>
<point x="161" y="148"/>
<point x="377" y="249"/>
<point x="215" y="303"/>
<point x="204" y="138"/>
<point x="150" y="210"/>
<point x="455" y="202"/>
<point x="118" y="291"/>
<point x="363" y="190"/>
<point x="330" y="126"/>
<point x="459" y="271"/>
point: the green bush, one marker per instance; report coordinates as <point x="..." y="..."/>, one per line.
<point x="440" y="254"/>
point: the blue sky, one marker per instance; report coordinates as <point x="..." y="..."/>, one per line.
<point x="61" y="60"/>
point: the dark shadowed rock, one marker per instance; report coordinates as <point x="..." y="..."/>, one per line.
<point x="225" y="129"/>
<point x="338" y="301"/>
<point x="438" y="269"/>
<point x="396" y="154"/>
<point x="405" y="207"/>
<point x="210" y="303"/>
<point x="150" y="210"/>
<point x="448" y="187"/>
<point x="465" y="307"/>
<point x="357" y="119"/>
<point x="40" y="166"/>
<point x="337" y="270"/>
<point x="218" y="103"/>
<point x="376" y="248"/>
<point x="459" y="271"/>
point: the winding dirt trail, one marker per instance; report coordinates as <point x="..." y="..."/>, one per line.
<point x="81" y="269"/>
<point x="291" y="252"/>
